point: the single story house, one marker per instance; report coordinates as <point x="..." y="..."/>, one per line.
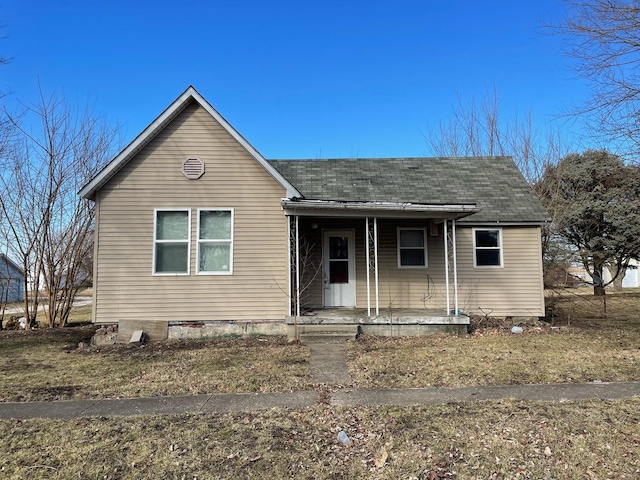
<point x="196" y="230"/>
<point x="11" y="280"/>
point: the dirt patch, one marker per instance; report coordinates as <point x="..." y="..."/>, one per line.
<point x="60" y="392"/>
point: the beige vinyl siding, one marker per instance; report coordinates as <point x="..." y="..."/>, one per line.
<point x="514" y="290"/>
<point x="409" y="287"/>
<point x="125" y="285"/>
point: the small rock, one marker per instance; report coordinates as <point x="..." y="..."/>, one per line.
<point x="516" y="330"/>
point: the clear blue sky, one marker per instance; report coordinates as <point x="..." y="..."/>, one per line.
<point x="297" y="79"/>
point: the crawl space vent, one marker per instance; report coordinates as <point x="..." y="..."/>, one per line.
<point x="193" y="168"/>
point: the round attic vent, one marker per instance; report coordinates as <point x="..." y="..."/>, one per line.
<point x="193" y="168"/>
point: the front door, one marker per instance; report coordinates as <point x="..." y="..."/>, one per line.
<point x="339" y="273"/>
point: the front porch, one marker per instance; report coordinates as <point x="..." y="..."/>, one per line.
<point x="388" y="322"/>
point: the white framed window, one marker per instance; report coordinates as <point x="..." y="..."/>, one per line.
<point x="215" y="241"/>
<point x="487" y="247"/>
<point x="412" y="248"/>
<point x="171" y="240"/>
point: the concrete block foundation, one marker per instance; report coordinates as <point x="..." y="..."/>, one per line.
<point x="197" y="330"/>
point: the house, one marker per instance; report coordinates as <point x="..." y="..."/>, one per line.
<point x="11" y="281"/>
<point x="196" y="231"/>
<point x="631" y="278"/>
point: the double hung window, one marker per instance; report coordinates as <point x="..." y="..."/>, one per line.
<point x="412" y="248"/>
<point x="487" y="247"/>
<point x="171" y="242"/>
<point x="215" y="241"/>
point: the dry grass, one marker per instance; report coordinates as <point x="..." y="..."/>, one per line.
<point x="492" y="440"/>
<point x="80" y="315"/>
<point x="584" y="346"/>
<point x="47" y="365"/>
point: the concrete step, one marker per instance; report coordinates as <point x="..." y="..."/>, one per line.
<point x="326" y="333"/>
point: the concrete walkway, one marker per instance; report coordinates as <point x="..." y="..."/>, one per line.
<point x="328" y="363"/>
<point x="329" y="368"/>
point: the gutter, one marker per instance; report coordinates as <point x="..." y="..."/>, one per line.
<point x="296" y="206"/>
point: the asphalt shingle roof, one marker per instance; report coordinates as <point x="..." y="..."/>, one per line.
<point x="494" y="184"/>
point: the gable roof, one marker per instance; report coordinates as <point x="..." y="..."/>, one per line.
<point x="172" y="111"/>
<point x="4" y="260"/>
<point x="493" y="184"/>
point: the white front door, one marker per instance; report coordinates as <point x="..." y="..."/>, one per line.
<point x="339" y="272"/>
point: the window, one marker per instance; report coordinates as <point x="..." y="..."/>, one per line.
<point x="487" y="245"/>
<point x="215" y="241"/>
<point x="412" y="247"/>
<point x="171" y="242"/>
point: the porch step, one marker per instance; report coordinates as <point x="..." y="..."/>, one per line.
<point x="326" y="333"/>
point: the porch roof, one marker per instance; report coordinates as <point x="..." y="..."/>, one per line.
<point x="332" y="208"/>
<point x="485" y="189"/>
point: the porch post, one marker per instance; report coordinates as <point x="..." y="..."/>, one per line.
<point x="368" y="246"/>
<point x="375" y="242"/>
<point x="446" y="262"/>
<point x="289" y="273"/>
<point x="297" y="268"/>
<point x="455" y="266"/>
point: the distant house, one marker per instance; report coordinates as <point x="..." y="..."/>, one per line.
<point x="195" y="227"/>
<point x="11" y="280"/>
<point x="631" y="277"/>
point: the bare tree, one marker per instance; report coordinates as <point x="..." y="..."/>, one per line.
<point x="50" y="226"/>
<point x="603" y="39"/>
<point x="479" y="128"/>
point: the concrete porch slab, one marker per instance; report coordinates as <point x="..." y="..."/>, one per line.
<point x="385" y="317"/>
<point x="396" y="322"/>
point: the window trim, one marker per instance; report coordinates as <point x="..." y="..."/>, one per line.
<point x="500" y="248"/>
<point x="230" y="241"/>
<point x="424" y="248"/>
<point x="156" y="241"/>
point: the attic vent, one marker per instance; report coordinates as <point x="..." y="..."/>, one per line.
<point x="193" y="168"/>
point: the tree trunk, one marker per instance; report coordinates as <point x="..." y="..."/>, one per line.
<point x="617" y="283"/>
<point x="598" y="282"/>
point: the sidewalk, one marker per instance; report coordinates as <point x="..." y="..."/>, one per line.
<point x="233" y="402"/>
<point x="328" y="367"/>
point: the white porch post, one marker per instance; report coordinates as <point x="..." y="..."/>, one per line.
<point x="446" y="262"/>
<point x="367" y="247"/>
<point x="455" y="265"/>
<point x="375" y="243"/>
<point x="289" y="276"/>
<point x="297" y="267"/>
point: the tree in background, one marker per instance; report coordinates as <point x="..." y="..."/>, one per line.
<point x="603" y="37"/>
<point x="480" y="129"/>
<point x="596" y="200"/>
<point x="49" y="227"/>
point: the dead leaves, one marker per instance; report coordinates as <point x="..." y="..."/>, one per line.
<point x="381" y="459"/>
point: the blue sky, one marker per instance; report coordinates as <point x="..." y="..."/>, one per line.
<point x="296" y="79"/>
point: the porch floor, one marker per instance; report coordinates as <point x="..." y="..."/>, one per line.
<point x="399" y="316"/>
